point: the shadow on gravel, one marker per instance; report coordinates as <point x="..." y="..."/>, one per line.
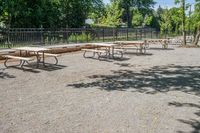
<point x="194" y="123"/>
<point x="126" y="65"/>
<point x="158" y="79"/>
<point x="161" y="49"/>
<point x="138" y="54"/>
<point x="51" y="67"/>
<point x="33" y="69"/>
<point x="48" y="67"/>
<point x="106" y="59"/>
<point x="5" y="75"/>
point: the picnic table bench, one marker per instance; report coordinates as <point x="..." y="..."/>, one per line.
<point x="107" y="48"/>
<point x="50" y="55"/>
<point x="23" y="60"/>
<point x="94" y="51"/>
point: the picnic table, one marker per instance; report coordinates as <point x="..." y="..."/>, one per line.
<point x="37" y="50"/>
<point x="110" y="49"/>
<point x="140" y="45"/>
<point x="110" y="46"/>
<point x="163" y="42"/>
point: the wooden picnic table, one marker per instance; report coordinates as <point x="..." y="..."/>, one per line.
<point x="163" y="42"/>
<point x="36" y="50"/>
<point x="140" y="45"/>
<point x="110" y="46"/>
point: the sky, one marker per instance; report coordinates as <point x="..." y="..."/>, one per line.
<point x="163" y="3"/>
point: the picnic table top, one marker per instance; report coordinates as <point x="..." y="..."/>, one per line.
<point x="157" y="39"/>
<point x="5" y="51"/>
<point x="104" y="44"/>
<point x="66" y="45"/>
<point x="129" y="42"/>
<point x="32" y="49"/>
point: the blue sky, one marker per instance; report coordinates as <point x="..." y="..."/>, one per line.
<point x="163" y="3"/>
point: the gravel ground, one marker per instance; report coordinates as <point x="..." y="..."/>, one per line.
<point x="153" y="93"/>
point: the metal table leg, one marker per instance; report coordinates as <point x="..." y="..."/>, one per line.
<point x="43" y="58"/>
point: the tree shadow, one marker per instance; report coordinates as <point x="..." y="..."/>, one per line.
<point x="164" y="49"/>
<point x="51" y="67"/>
<point x="194" y="123"/>
<point x="138" y="54"/>
<point x="5" y="75"/>
<point x="48" y="67"/>
<point x="158" y="79"/>
<point x="125" y="65"/>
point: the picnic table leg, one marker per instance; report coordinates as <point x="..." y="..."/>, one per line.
<point x="141" y="49"/>
<point x="43" y="59"/>
<point x="38" y="59"/>
<point x="112" y="52"/>
<point x="165" y="45"/>
<point x="109" y="52"/>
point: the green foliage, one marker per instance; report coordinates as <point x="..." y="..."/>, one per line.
<point x="195" y="17"/>
<point x="137" y="18"/>
<point x="83" y="37"/>
<point x="97" y="12"/>
<point x="171" y="21"/>
<point x="144" y="6"/>
<point x="46" y="13"/>
<point x="113" y="15"/>
<point x="148" y="20"/>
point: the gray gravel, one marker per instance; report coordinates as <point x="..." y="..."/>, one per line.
<point x="154" y="93"/>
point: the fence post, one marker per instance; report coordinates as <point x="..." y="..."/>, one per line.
<point x="113" y="31"/>
<point x="103" y="34"/>
<point x="127" y="34"/>
<point x="116" y="34"/>
<point x="67" y="35"/>
<point x="136" y="34"/>
<point x="41" y="36"/>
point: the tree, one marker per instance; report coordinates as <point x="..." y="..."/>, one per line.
<point x="97" y="12"/>
<point x="137" y="19"/>
<point x="113" y="15"/>
<point x="130" y="5"/>
<point x="46" y="13"/>
<point x="166" y="22"/>
<point x="195" y="20"/>
<point x="183" y="7"/>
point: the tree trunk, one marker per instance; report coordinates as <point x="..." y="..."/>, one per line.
<point x="128" y="17"/>
<point x="183" y="22"/>
<point x="194" y="35"/>
<point x="197" y="36"/>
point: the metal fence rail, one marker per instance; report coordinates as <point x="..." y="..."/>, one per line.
<point x="40" y="36"/>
